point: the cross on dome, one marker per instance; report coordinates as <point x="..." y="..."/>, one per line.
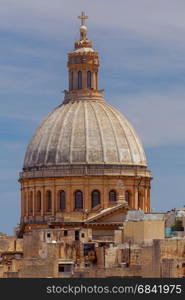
<point x="83" y="17"/>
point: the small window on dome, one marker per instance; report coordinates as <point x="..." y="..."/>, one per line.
<point x="112" y="196"/>
<point x="78" y="200"/>
<point x="128" y="197"/>
<point x="79" y="80"/>
<point x="30" y="203"/>
<point x="139" y="200"/>
<point x="48" y="201"/>
<point x="38" y="201"/>
<point x="62" y="200"/>
<point x="95" y="198"/>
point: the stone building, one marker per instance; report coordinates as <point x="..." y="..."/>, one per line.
<point x="85" y="192"/>
<point x="85" y="157"/>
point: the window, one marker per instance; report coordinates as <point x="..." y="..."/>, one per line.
<point x="62" y="200"/>
<point x="38" y="202"/>
<point x="78" y="200"/>
<point x="112" y="195"/>
<point x="65" y="268"/>
<point x="88" y="248"/>
<point x="95" y="198"/>
<point x="65" y="232"/>
<point x="82" y="235"/>
<point x="88" y="79"/>
<point x="30" y="202"/>
<point x="77" y="237"/>
<point x="48" y="235"/>
<point x="139" y="199"/>
<point x="96" y="80"/>
<point x="128" y="197"/>
<point x="79" y="80"/>
<point x="49" y="201"/>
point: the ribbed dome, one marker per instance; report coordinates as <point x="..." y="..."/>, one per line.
<point x="84" y="132"/>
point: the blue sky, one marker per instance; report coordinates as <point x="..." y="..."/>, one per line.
<point x="141" y="46"/>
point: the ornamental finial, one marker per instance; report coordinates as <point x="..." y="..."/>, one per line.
<point x="83" y="28"/>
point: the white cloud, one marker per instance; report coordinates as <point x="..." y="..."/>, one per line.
<point x="25" y="79"/>
<point x="158" y="118"/>
<point x="142" y="37"/>
<point x="155" y="19"/>
<point x="157" y="114"/>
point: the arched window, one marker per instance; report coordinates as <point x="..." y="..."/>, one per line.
<point x="95" y="198"/>
<point x="128" y="197"/>
<point x="112" y="195"/>
<point x="96" y="80"/>
<point x="72" y="81"/>
<point x="88" y="79"/>
<point x="79" y="80"/>
<point x="78" y="200"/>
<point x="38" y="202"/>
<point x="30" y="203"/>
<point x="139" y="200"/>
<point x="48" y="201"/>
<point x="62" y="200"/>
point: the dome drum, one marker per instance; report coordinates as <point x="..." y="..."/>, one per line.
<point x="86" y="170"/>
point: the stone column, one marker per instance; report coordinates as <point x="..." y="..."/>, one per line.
<point x="105" y="198"/>
<point x="132" y="198"/>
<point x="56" y="199"/>
<point x="26" y="200"/>
<point x="121" y="191"/>
<point x="94" y="80"/>
<point x="86" y="196"/>
<point x="84" y="79"/>
<point x="71" y="199"/>
<point x="146" y="200"/>
<point x="34" y="201"/>
<point x="97" y="80"/>
<point x="69" y="80"/>
<point x="68" y="197"/>
<point x="43" y="202"/>
<point x="136" y="197"/>
<point x="22" y="203"/>
<point x="75" y="80"/>
<point x="53" y="201"/>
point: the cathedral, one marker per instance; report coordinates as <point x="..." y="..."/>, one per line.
<point x="85" y="192"/>
<point x="85" y="161"/>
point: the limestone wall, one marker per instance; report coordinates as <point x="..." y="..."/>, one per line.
<point x="10" y="243"/>
<point x="138" y="231"/>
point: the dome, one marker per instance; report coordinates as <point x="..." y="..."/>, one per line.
<point x="84" y="132"/>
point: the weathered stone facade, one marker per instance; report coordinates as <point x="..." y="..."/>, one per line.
<point x="83" y="252"/>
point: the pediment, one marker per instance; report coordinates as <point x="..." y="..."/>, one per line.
<point x="115" y="214"/>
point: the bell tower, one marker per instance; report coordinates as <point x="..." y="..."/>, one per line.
<point x="83" y="64"/>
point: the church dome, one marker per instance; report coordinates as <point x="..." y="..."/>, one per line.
<point x="84" y="132"/>
<point x="85" y="158"/>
